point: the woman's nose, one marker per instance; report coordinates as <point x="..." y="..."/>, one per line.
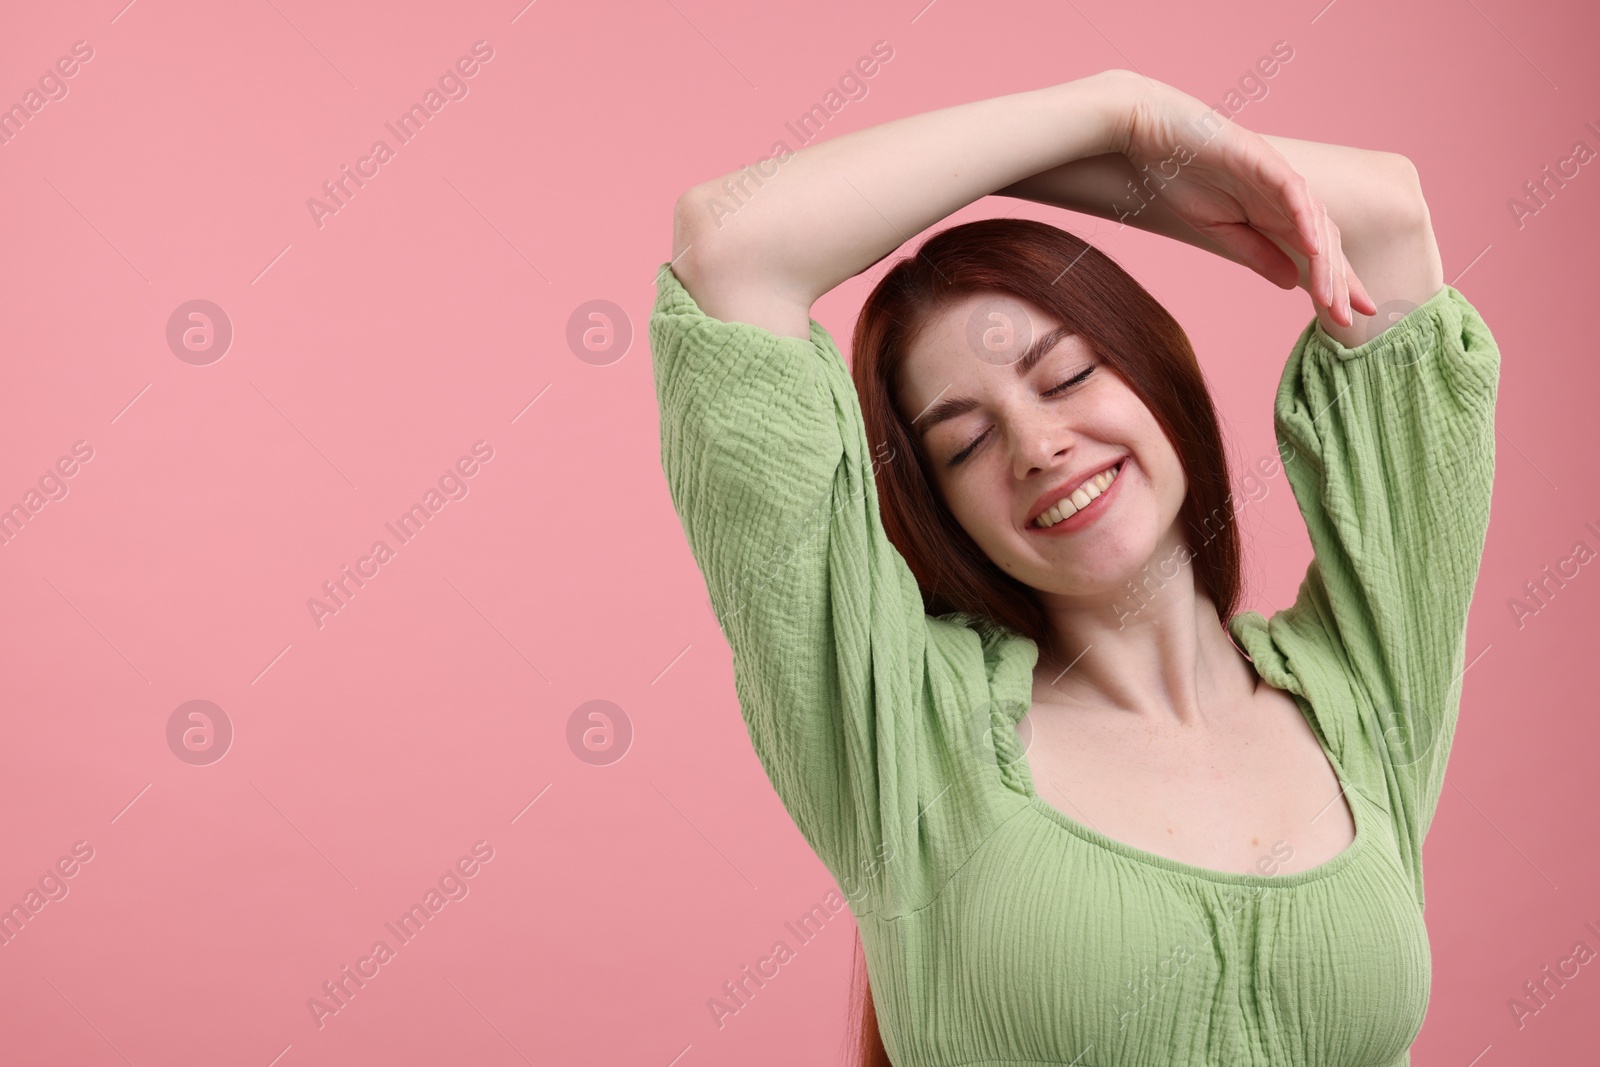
<point x="1041" y="442"/>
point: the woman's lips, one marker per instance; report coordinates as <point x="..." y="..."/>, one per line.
<point x="1088" y="514"/>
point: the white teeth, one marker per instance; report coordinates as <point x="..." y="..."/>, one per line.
<point x="1080" y="498"/>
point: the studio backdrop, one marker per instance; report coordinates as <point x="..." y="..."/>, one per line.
<point x="362" y="701"/>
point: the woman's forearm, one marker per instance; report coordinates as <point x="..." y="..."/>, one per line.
<point x="760" y="245"/>
<point x="833" y="209"/>
<point x="1110" y="187"/>
<point x="1372" y="196"/>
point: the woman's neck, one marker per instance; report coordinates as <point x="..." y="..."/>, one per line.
<point x="1163" y="654"/>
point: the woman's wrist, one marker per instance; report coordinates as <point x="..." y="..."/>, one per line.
<point x="1113" y="95"/>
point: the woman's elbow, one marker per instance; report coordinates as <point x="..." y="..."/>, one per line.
<point x="1397" y="253"/>
<point x="702" y="233"/>
<point x="695" y="208"/>
<point x="1409" y="207"/>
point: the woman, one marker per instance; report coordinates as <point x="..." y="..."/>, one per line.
<point x="976" y="595"/>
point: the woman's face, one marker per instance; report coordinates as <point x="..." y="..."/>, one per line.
<point x="979" y="389"/>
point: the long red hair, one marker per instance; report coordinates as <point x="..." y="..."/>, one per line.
<point x="1128" y="330"/>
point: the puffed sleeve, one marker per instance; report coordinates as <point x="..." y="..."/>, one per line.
<point x="1389" y="449"/>
<point x="856" y="701"/>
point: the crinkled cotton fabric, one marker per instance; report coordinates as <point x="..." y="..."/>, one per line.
<point x="999" y="931"/>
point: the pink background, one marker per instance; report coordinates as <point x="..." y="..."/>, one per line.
<point x="369" y="353"/>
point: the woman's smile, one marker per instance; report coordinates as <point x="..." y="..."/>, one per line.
<point x="1067" y="515"/>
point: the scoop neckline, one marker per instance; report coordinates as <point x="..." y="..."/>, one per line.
<point x="1322" y="871"/>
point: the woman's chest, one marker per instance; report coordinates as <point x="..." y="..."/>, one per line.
<point x="1252" y="792"/>
<point x="1048" y="947"/>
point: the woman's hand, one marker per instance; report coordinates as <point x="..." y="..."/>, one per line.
<point x="1235" y="188"/>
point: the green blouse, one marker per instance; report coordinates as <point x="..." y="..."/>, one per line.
<point x="997" y="930"/>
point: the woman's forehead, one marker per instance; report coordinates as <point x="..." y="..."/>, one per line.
<point x="991" y="327"/>
<point x="965" y="340"/>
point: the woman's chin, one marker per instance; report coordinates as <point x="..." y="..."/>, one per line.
<point x="1108" y="570"/>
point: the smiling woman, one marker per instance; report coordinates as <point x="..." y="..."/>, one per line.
<point x="891" y="670"/>
<point x="1111" y="378"/>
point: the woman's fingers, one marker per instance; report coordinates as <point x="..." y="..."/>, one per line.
<point x="1284" y="206"/>
<point x="1360" y="299"/>
<point x="1328" y="263"/>
<point x="1317" y="283"/>
<point x="1252" y="248"/>
<point x="1244" y="195"/>
<point x="1347" y="294"/>
<point x="1298" y="205"/>
<point x="1332" y="281"/>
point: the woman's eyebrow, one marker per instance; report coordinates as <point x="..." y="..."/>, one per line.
<point x="939" y="411"/>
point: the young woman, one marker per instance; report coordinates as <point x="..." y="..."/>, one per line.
<point x="981" y="596"/>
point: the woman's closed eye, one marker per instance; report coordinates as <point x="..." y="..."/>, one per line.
<point x="1054" y="390"/>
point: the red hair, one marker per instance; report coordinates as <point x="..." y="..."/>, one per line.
<point x="1127" y="329"/>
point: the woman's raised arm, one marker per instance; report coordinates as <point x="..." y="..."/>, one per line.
<point x="1373" y="198"/>
<point x="833" y="209"/>
<point x="836" y="207"/>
